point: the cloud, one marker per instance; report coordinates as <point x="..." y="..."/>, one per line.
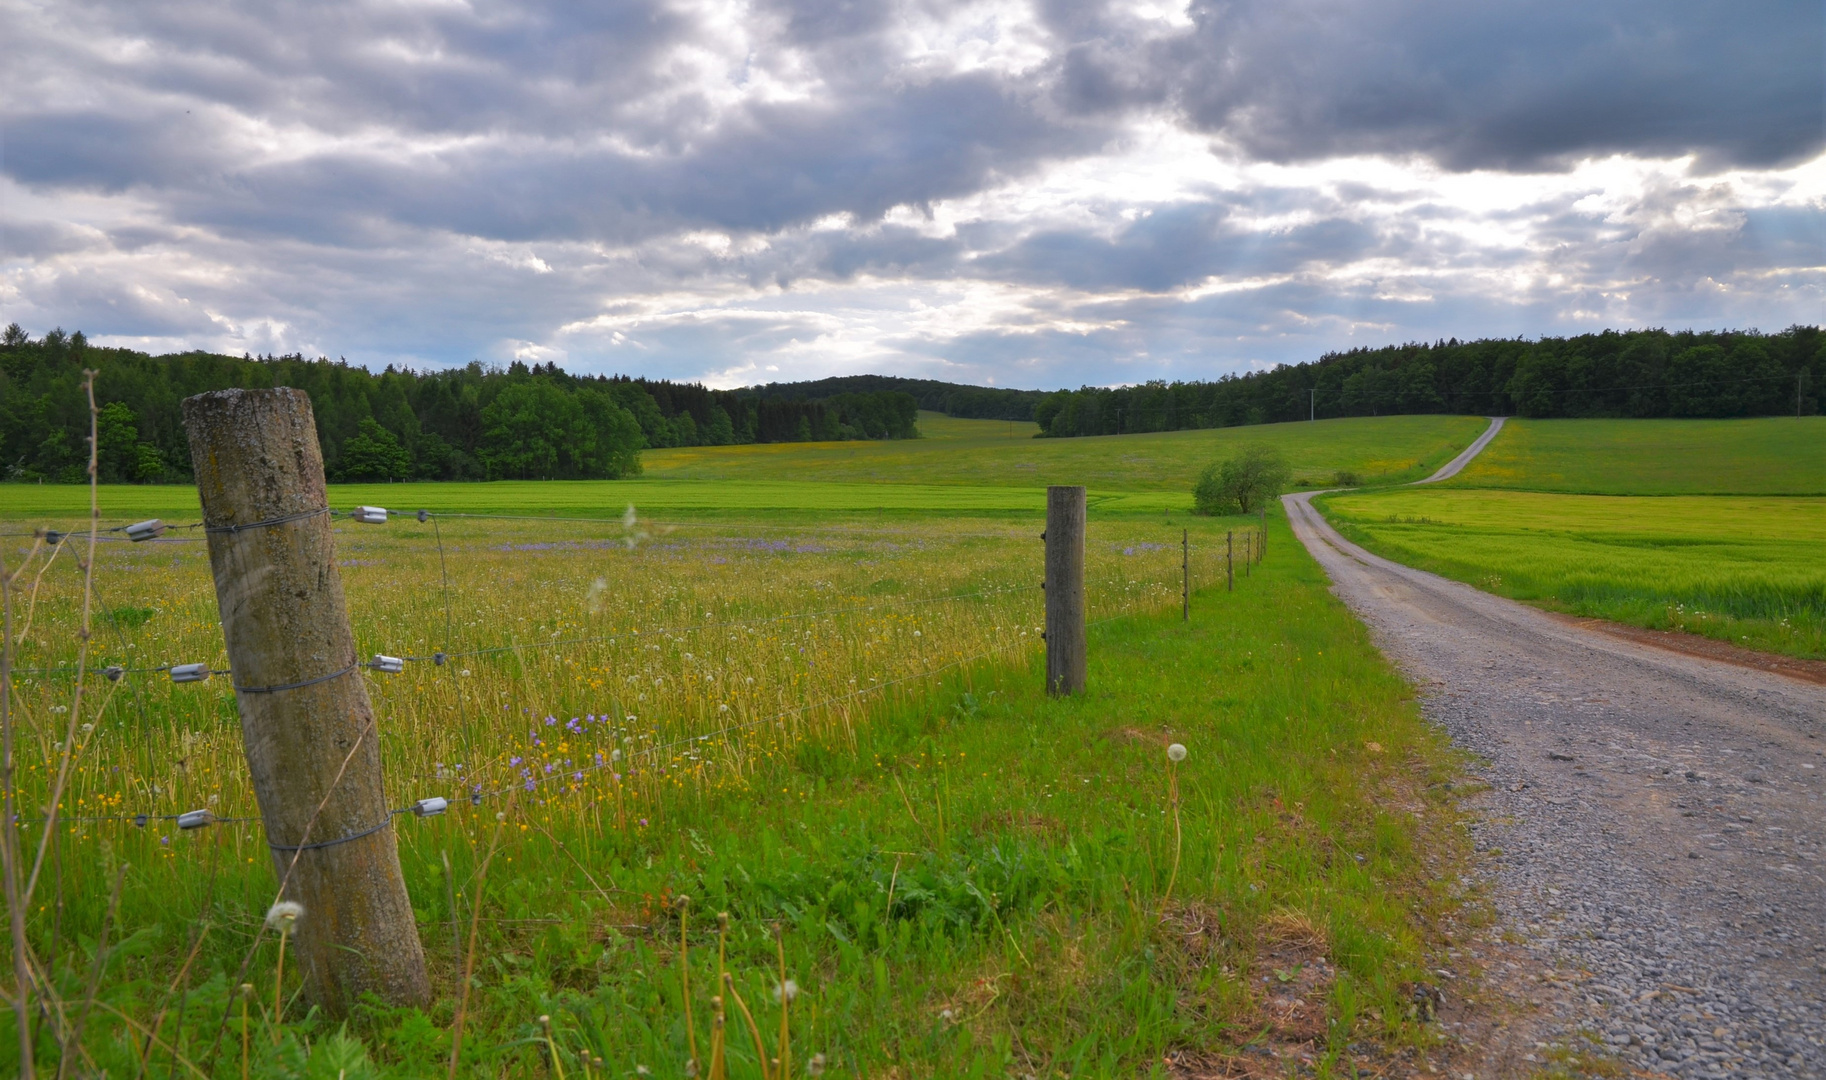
<point x="1509" y="84"/>
<point x="1041" y="192"/>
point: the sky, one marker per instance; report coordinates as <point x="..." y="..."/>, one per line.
<point x="1035" y="194"/>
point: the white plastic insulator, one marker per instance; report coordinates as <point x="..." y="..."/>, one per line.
<point x="195" y="819"/>
<point x="431" y="807"/>
<point x="392" y="665"/>
<point x="189" y="672"/>
<point x="145" y="530"/>
<point x="370" y="515"/>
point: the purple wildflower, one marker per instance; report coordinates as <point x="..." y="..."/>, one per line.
<point x="513" y="761"/>
<point x="531" y="784"/>
<point x="550" y="720"/>
<point x="576" y="776"/>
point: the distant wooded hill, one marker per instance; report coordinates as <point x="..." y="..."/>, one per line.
<point x="540" y="422"/>
<point x="469" y="423"/>
<point x="1635" y="373"/>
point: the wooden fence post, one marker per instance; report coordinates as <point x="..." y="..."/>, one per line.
<point x="1065" y="656"/>
<point x="1185" y="575"/>
<point x="1230" y="561"/>
<point x="313" y="749"/>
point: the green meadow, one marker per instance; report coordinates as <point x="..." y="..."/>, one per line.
<point x="1391" y="449"/>
<point x="1741" y="568"/>
<point x="811" y="703"/>
<point x="970" y="467"/>
<point x="1763" y="456"/>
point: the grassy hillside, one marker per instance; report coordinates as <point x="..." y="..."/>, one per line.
<point x="1768" y="456"/>
<point x="1740" y="568"/>
<point x="1005" y="454"/>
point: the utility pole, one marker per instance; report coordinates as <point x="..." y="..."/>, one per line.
<point x="1064" y="536"/>
<point x="308" y="728"/>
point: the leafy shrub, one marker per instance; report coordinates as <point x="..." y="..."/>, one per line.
<point x="1244" y="484"/>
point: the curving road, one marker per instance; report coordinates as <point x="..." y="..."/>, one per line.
<point x="1452" y="468"/>
<point x="1660" y="817"/>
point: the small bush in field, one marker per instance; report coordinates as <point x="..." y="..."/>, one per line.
<point x="1243" y="484"/>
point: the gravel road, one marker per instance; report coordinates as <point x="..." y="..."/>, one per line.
<point x="1658" y="818"/>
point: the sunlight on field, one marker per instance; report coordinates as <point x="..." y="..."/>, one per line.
<point x="1744" y="569"/>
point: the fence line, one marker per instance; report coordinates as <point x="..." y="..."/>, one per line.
<point x="195" y="819"/>
<point x="116" y="672"/>
<point x="189" y="820"/>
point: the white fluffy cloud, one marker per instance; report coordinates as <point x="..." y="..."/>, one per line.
<point x="1040" y="193"/>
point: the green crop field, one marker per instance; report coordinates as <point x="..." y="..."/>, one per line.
<point x="813" y="704"/>
<point x="1743" y="569"/>
<point x="996" y="453"/>
<point x="1766" y="456"/>
<point x="960" y="467"/>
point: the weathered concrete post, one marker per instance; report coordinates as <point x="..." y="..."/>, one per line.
<point x="306" y="722"/>
<point x="1065" y="654"/>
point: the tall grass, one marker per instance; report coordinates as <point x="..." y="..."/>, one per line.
<point x="963" y="875"/>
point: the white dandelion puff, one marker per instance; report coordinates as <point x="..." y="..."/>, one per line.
<point x="1176" y="752"/>
<point x="282" y="915"/>
<point x="790" y="991"/>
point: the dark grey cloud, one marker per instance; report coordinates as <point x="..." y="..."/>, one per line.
<point x="1506" y="84"/>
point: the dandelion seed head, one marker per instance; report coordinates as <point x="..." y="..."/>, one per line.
<point x="1176" y="752"/>
<point x="282" y="915"/>
<point x="789" y="991"/>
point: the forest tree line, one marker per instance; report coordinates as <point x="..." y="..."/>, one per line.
<point x="468" y="423"/>
<point x="1620" y="374"/>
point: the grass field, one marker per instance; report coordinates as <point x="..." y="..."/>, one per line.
<point x="969" y="879"/>
<point x="1743" y="569"/>
<point x="975" y="467"/>
<point x="1768" y="456"/>
<point x="997" y="453"/>
<point x="65" y="505"/>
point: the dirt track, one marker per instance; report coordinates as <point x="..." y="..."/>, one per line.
<point x="1659" y="816"/>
